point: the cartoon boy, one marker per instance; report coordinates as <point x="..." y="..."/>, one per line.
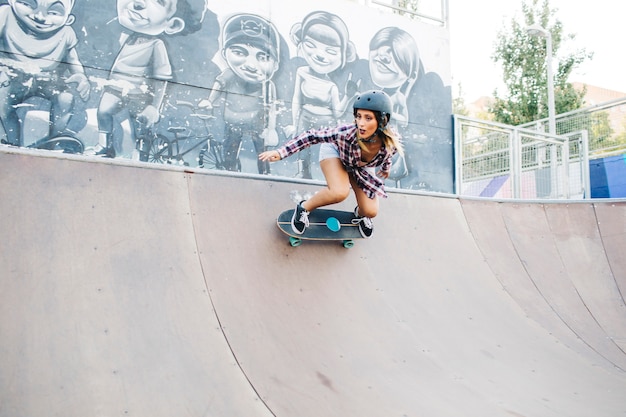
<point x="38" y="47"/>
<point x="142" y="68"/>
<point x="250" y="47"/>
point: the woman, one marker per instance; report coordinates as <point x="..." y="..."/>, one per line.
<point x="349" y="156"/>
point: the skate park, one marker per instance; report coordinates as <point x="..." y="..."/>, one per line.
<point x="135" y="288"/>
<point x="169" y="304"/>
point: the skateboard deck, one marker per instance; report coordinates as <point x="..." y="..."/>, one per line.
<point x="323" y="225"/>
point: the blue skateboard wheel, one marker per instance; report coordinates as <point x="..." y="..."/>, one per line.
<point x="333" y="224"/>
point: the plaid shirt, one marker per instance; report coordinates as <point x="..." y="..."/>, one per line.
<point x="345" y="137"/>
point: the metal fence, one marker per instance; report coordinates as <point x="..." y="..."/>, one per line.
<point x="496" y="160"/>
<point x="605" y="124"/>
<point x="501" y="161"/>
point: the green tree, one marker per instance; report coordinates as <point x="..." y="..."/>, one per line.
<point x="620" y="141"/>
<point x="410" y="5"/>
<point x="524" y="64"/>
<point x="602" y="137"/>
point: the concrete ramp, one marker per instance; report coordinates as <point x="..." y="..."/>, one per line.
<point x="134" y="291"/>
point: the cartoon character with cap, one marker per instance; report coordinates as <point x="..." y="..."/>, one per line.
<point x="244" y="90"/>
<point x="142" y="68"/>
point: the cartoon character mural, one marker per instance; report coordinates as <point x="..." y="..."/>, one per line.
<point x="322" y="39"/>
<point x="139" y="75"/>
<point x="38" y="58"/>
<point x="149" y="68"/>
<point x="393" y="64"/>
<point x="393" y="67"/>
<point x="244" y="91"/>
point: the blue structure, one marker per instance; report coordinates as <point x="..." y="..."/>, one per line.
<point x="608" y="177"/>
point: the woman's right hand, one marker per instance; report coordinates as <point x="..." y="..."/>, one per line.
<point x="271" y="156"/>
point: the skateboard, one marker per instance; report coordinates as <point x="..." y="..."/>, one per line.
<point x="323" y="225"/>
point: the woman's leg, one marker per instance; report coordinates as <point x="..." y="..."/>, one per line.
<point x="367" y="207"/>
<point x="337" y="185"/>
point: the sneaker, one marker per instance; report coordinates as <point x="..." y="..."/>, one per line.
<point x="100" y="150"/>
<point x="366" y="227"/>
<point x="300" y="219"/>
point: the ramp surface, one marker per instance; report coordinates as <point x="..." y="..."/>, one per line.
<point x="128" y="290"/>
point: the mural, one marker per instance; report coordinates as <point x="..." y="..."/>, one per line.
<point x="201" y="83"/>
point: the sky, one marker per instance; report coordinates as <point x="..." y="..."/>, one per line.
<point x="474" y="26"/>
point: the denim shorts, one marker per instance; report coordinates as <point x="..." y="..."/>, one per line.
<point x="328" y="150"/>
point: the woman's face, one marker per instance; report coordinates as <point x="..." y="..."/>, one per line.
<point x="323" y="57"/>
<point x="366" y="122"/>
<point x="384" y="69"/>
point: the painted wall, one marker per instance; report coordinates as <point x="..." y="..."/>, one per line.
<point x="130" y="76"/>
<point x="607" y="180"/>
<point x="608" y="177"/>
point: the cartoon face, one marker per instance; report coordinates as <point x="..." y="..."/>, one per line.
<point x="324" y="56"/>
<point x="250" y="63"/>
<point x="384" y="69"/>
<point x="366" y="122"/>
<point x="150" y="17"/>
<point x="43" y="16"/>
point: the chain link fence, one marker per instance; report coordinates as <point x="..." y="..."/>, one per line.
<point x="501" y="161"/>
<point x="605" y="124"/>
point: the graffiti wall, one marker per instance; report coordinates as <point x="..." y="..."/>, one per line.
<point x="211" y="84"/>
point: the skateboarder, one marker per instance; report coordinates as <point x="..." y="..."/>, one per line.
<point x="349" y="157"/>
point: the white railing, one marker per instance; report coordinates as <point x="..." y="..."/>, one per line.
<point x="604" y="122"/>
<point x="501" y="161"/>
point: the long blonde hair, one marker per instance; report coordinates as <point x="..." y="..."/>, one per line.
<point x="391" y="138"/>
